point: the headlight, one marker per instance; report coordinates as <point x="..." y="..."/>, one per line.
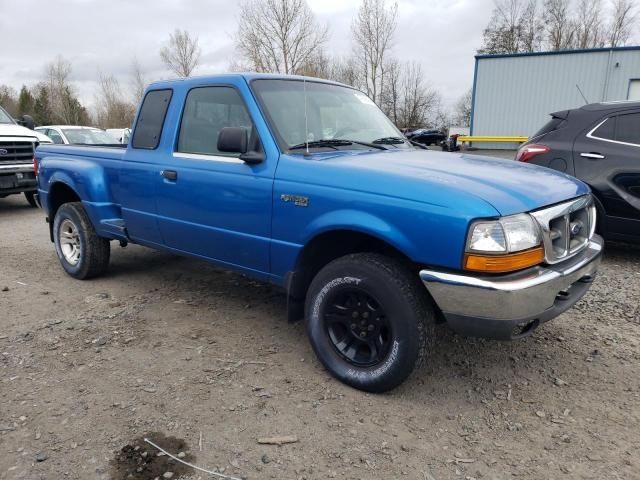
<point x="504" y="245"/>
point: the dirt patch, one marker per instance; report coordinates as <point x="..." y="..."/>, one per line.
<point x="138" y="460"/>
<point x="172" y="345"/>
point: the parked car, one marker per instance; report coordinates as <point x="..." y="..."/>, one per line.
<point x="373" y="240"/>
<point x="121" y="134"/>
<point x="426" y="136"/>
<point x="77" y="135"/>
<point x="600" y="144"/>
<point x="17" y="145"/>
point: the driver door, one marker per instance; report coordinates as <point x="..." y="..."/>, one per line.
<point x="213" y="204"/>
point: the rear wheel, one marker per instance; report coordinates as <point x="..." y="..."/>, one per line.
<point x="82" y="253"/>
<point x="31" y="198"/>
<point x="369" y="321"/>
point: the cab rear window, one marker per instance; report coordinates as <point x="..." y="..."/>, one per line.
<point x="151" y="119"/>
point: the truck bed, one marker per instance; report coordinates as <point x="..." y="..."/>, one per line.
<point x="111" y="152"/>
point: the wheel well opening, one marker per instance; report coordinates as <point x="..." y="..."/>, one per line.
<point x="331" y="245"/>
<point x="59" y="194"/>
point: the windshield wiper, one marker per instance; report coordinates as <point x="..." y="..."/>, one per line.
<point x="390" y="141"/>
<point x="335" y="143"/>
<point x="331" y="143"/>
<point x="398" y="141"/>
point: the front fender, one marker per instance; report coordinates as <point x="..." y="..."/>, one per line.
<point x="358" y="221"/>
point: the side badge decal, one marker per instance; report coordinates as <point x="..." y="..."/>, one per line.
<point x="297" y="200"/>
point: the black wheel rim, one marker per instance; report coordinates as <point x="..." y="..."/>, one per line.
<point x="357" y="326"/>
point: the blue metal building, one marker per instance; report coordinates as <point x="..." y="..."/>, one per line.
<point x="514" y="94"/>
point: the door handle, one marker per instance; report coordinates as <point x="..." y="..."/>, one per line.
<point x="592" y="155"/>
<point x="169" y="175"/>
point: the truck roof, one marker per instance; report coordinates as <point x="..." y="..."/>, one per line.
<point x="248" y="76"/>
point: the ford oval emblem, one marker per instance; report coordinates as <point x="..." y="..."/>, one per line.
<point x="3" y="151"/>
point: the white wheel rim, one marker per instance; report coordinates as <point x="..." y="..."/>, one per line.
<point x="69" y="240"/>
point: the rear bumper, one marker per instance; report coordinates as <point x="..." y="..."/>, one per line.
<point x="512" y="305"/>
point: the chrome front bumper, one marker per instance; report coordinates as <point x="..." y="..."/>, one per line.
<point x="512" y="305"/>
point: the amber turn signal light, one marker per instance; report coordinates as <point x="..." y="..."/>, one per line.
<point x="504" y="263"/>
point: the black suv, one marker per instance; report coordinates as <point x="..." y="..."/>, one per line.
<point x="600" y="144"/>
<point x="426" y="136"/>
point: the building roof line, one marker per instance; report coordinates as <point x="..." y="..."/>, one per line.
<point x="558" y="52"/>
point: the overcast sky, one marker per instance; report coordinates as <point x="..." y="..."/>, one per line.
<point x="105" y="35"/>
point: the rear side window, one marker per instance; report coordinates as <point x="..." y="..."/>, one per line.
<point x="554" y="124"/>
<point x="606" y="130"/>
<point x="207" y="111"/>
<point x="151" y="119"/>
<point x="628" y="128"/>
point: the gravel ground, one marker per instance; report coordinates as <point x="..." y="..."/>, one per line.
<point x="203" y="363"/>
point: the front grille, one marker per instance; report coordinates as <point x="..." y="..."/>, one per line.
<point x="16" y="151"/>
<point x="566" y="228"/>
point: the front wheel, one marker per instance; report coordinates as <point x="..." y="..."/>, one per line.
<point x="82" y="253"/>
<point x="369" y="320"/>
<point x="30" y="196"/>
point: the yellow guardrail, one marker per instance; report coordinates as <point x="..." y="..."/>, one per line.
<point x="469" y="139"/>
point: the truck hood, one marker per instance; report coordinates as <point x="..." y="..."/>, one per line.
<point x="508" y="186"/>
<point x="18" y="131"/>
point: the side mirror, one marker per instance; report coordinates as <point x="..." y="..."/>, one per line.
<point x="27" y="121"/>
<point x="233" y="140"/>
<point x="236" y="140"/>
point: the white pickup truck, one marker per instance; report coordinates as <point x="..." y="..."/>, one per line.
<point x="17" y="147"/>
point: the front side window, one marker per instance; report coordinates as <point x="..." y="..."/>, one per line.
<point x="313" y="111"/>
<point x="207" y="111"/>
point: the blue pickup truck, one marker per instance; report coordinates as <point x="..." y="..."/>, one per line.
<point x="307" y="184"/>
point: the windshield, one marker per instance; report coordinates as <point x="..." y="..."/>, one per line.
<point x="332" y="112"/>
<point x="4" y="117"/>
<point x="88" y="136"/>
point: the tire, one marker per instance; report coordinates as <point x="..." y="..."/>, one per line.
<point x="394" y="313"/>
<point x="30" y="196"/>
<point x="82" y="253"/>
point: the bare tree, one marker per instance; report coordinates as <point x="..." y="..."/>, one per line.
<point x="589" y="24"/>
<point x="392" y="94"/>
<point x="373" y="30"/>
<point x="138" y="81"/>
<point x="531" y="28"/>
<point x="463" y="109"/>
<point x="345" y="70"/>
<point x="515" y="26"/>
<point x="113" y="111"/>
<point x="561" y="28"/>
<point x="57" y="81"/>
<point x="419" y="102"/>
<point x="622" y="21"/>
<point x="182" y="54"/>
<point x="278" y="35"/>
<point x="64" y="106"/>
<point x="502" y="35"/>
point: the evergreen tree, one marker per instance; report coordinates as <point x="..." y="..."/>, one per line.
<point x="25" y="102"/>
<point x="41" y="108"/>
